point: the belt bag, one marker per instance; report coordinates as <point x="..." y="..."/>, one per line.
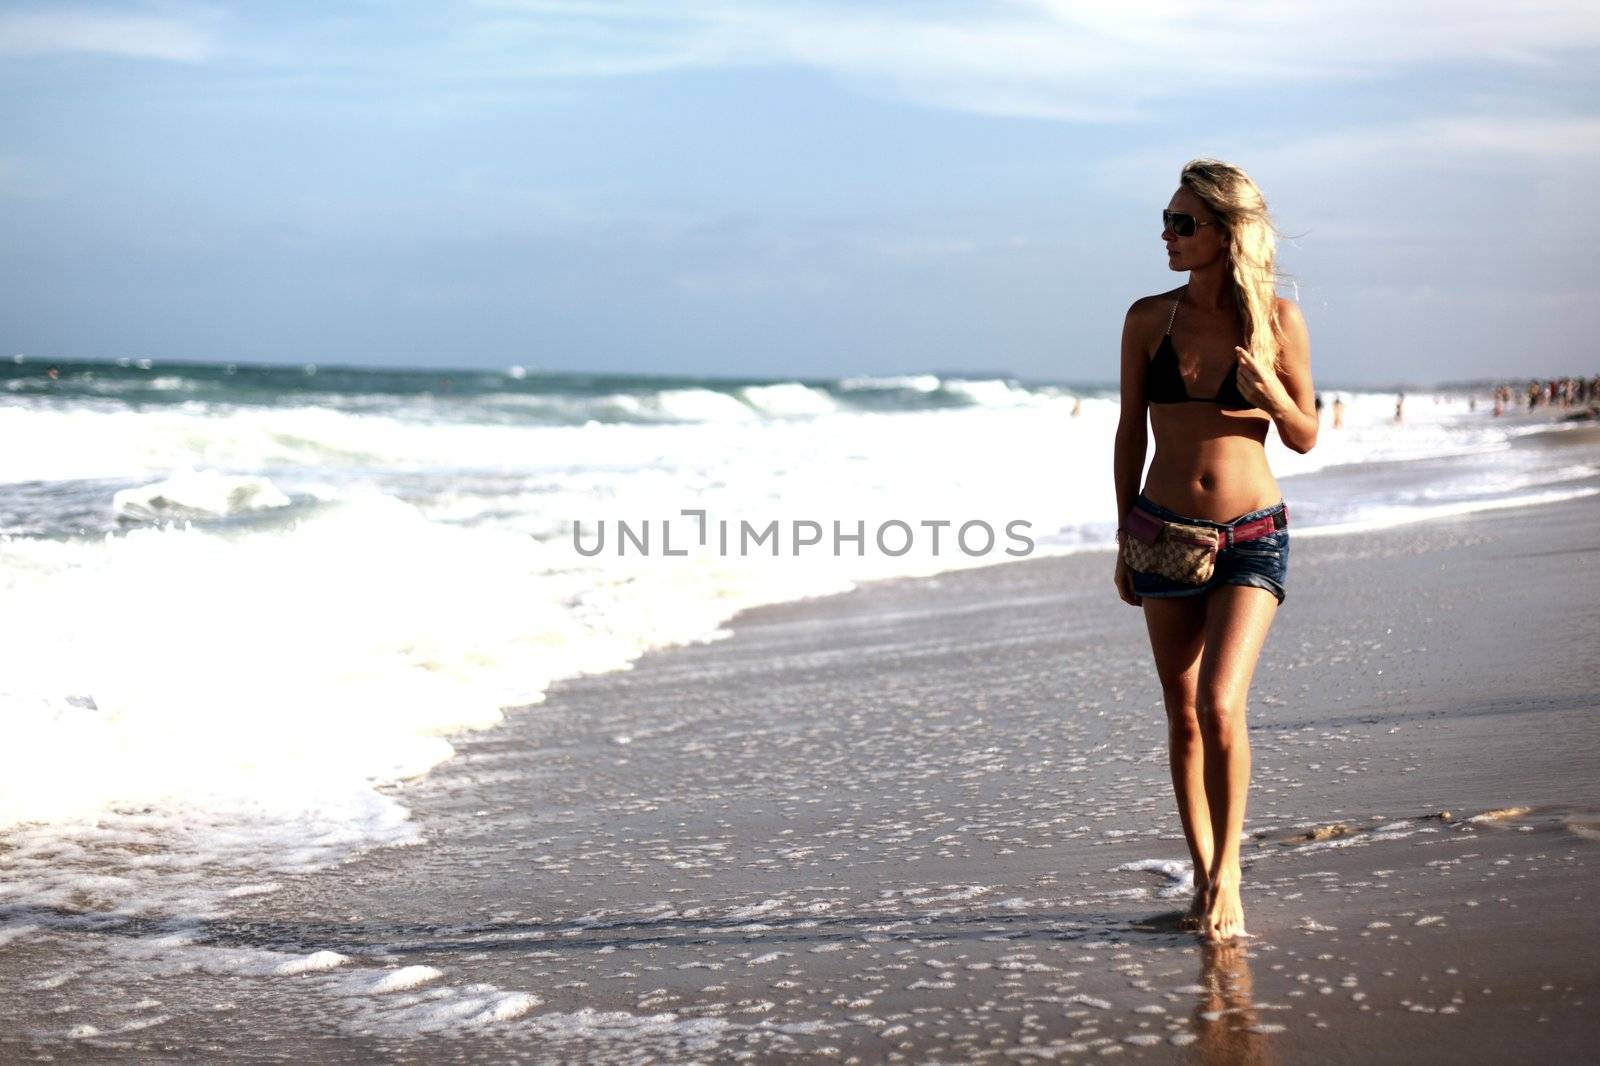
<point x="1184" y="553"/>
<point x="1177" y="552"/>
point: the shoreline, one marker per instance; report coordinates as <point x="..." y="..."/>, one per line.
<point x="928" y="819"/>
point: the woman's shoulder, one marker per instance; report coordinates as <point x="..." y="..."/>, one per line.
<point x="1159" y="299"/>
<point x="1289" y="320"/>
<point x="1154" y="307"/>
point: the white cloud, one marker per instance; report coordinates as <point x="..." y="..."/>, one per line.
<point x="96" y="30"/>
<point x="1044" y="58"/>
<point x="1415" y="152"/>
<point x="1458" y="142"/>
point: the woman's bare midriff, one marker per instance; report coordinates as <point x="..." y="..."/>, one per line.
<point x="1210" y="463"/>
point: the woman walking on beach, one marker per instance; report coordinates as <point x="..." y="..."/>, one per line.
<point x="1205" y="546"/>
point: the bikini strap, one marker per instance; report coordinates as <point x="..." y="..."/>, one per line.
<point x="1172" y="317"/>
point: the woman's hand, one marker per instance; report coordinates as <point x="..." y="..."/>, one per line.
<point x="1123" y="579"/>
<point x="1259" y="382"/>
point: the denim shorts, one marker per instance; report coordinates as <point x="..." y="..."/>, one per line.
<point x="1262" y="563"/>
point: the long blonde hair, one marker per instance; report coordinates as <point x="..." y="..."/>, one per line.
<point x="1252" y="245"/>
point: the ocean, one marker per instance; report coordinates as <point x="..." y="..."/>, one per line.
<point x="243" y="599"/>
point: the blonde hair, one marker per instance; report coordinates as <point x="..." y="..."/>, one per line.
<point x="1252" y="245"/>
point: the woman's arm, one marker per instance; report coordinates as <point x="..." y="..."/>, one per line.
<point x="1133" y="435"/>
<point x="1287" y="394"/>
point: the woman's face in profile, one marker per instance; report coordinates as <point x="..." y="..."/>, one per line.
<point x="1208" y="243"/>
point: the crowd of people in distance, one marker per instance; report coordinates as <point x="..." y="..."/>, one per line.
<point x="1552" y="392"/>
<point x="1579" y="397"/>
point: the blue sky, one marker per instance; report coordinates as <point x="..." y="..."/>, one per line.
<point x="785" y="188"/>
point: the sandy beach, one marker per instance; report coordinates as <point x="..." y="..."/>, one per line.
<point x="929" y="820"/>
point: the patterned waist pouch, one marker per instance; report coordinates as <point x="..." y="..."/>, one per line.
<point x="1186" y="553"/>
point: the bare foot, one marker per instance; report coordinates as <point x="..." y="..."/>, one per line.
<point x="1224" y="914"/>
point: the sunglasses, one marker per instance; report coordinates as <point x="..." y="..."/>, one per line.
<point x="1181" y="224"/>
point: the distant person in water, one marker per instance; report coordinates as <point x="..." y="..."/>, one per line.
<point x="1338" y="411"/>
<point x="1214" y="364"/>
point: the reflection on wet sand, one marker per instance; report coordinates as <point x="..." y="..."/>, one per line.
<point x="1225" y="1023"/>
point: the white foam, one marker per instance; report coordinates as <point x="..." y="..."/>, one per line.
<point x="446" y="1009"/>
<point x="312" y="963"/>
<point x="700" y="405"/>
<point x="1400" y="515"/>
<point x="989" y="393"/>
<point x="588" y="1027"/>
<point x="907" y="382"/>
<point x="1179" y="874"/>
<point x="771" y="956"/>
<point x="789" y="399"/>
<point x="404" y="978"/>
<point x="191" y="493"/>
<point x="360" y="998"/>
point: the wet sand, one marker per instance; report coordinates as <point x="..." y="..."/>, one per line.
<point x="930" y="821"/>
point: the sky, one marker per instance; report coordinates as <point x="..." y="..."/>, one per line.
<point x="786" y="188"/>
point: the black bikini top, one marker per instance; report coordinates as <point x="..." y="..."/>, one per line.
<point x="1164" y="384"/>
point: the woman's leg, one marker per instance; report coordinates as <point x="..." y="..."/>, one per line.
<point x="1177" y="633"/>
<point x="1237" y="620"/>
